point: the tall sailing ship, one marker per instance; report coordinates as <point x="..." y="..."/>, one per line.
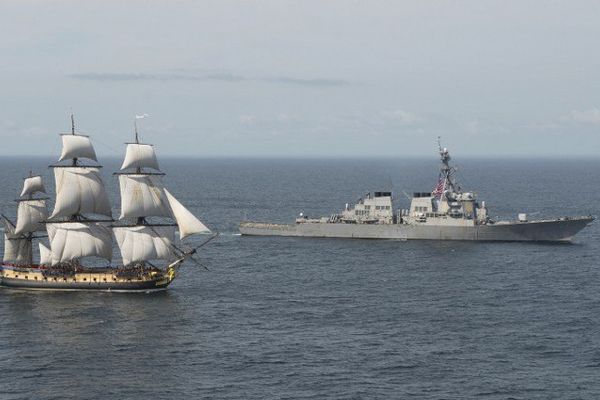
<point x="81" y="227"/>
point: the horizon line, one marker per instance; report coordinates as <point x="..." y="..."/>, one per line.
<point x="336" y="157"/>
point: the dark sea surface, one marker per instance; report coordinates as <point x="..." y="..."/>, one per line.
<point x="300" y="318"/>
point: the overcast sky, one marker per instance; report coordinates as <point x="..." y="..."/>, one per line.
<point x="303" y="78"/>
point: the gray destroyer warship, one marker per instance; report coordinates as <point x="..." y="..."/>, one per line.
<point x="446" y="213"/>
<point x="81" y="227"/>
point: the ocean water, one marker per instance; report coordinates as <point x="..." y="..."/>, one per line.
<point x="300" y="318"/>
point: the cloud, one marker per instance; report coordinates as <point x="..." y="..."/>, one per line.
<point x="247" y="119"/>
<point x="591" y="116"/>
<point x="402" y="116"/>
<point x="218" y="77"/>
<point x="305" y="82"/>
<point x="117" y="76"/>
<point x="575" y="121"/>
<point x="272" y="124"/>
<point x="473" y="128"/>
<point x="16" y="129"/>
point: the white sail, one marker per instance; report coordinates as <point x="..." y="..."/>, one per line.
<point x="45" y="255"/>
<point x="144" y="243"/>
<point x="32" y="185"/>
<point x="188" y="223"/>
<point x="77" y="146"/>
<point x="80" y="191"/>
<point x="30" y="216"/>
<point x="143" y="196"/>
<point x="74" y="240"/>
<point x="140" y="156"/>
<point x="17" y="249"/>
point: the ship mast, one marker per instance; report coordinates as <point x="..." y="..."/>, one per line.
<point x="142" y="198"/>
<point x="137" y="140"/>
<point x="31" y="214"/>
<point x="73" y="228"/>
<point x="145" y="200"/>
<point x="73" y="133"/>
<point x="138" y="170"/>
<point x="447" y="171"/>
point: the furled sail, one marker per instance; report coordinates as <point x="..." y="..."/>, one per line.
<point x="45" y="255"/>
<point x="79" y="191"/>
<point x="188" y="223"/>
<point x="143" y="196"/>
<point x="32" y="185"/>
<point x="77" y="146"/>
<point x="30" y="216"/>
<point x="144" y="243"/>
<point x="17" y="248"/>
<point x="140" y="156"/>
<point x="74" y="240"/>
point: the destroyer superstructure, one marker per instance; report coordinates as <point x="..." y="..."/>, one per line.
<point x="81" y="227"/>
<point x="446" y="213"/>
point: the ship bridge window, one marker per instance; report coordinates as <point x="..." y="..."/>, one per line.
<point x="421" y="194"/>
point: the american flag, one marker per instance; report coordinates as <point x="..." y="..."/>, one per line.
<point x="439" y="189"/>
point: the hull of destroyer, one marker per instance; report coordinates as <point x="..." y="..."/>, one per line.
<point x="42" y="279"/>
<point x="559" y="230"/>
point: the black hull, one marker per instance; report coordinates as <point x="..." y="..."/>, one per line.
<point x="144" y="286"/>
<point x="113" y="280"/>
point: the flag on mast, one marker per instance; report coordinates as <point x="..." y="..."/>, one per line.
<point x="440" y="188"/>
